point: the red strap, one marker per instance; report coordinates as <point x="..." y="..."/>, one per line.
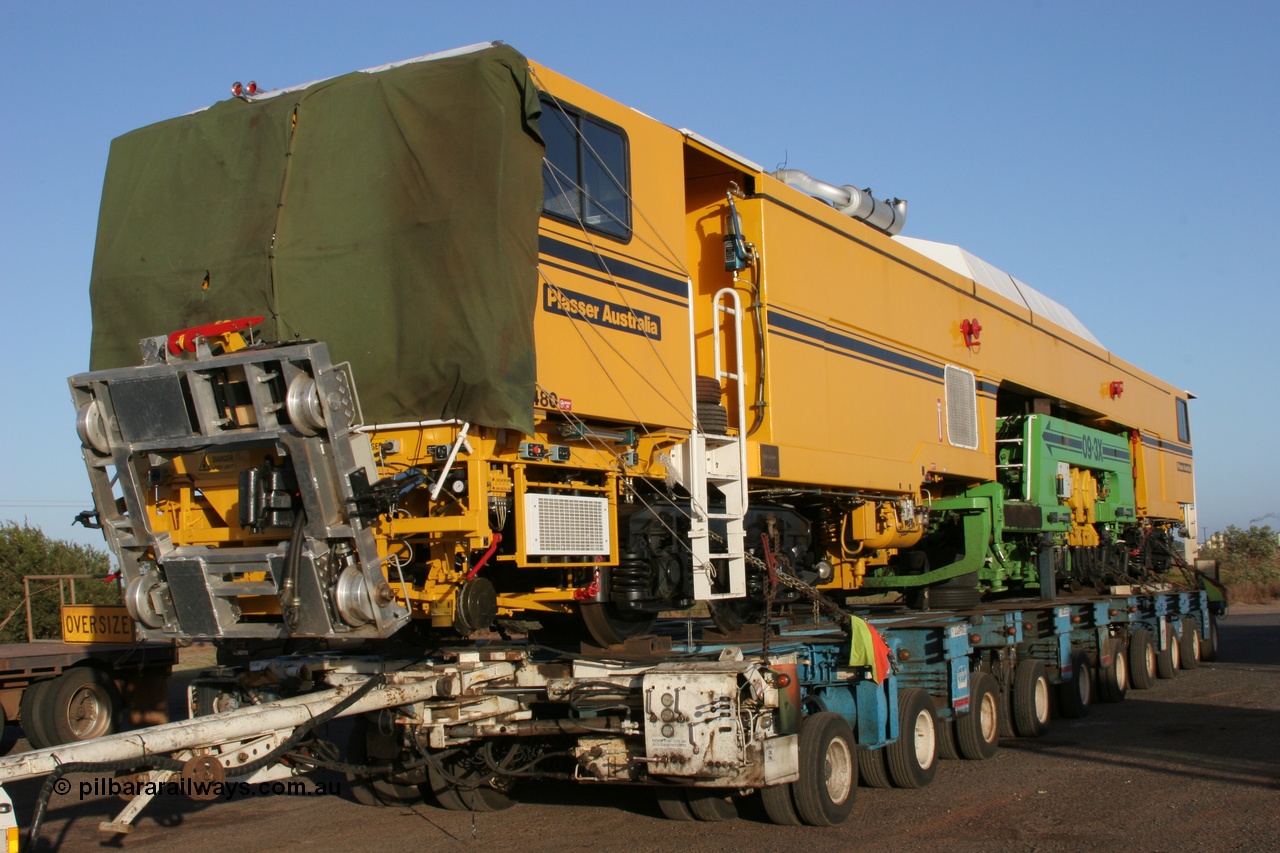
<point x="185" y="339"/>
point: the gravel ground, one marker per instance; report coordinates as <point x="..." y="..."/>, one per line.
<point x="1190" y="765"/>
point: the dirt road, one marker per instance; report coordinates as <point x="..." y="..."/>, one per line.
<point x="1190" y="765"/>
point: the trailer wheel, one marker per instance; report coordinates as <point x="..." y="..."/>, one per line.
<point x="673" y="803"/>
<point x="84" y="703"/>
<point x="1189" y="644"/>
<point x="1169" y="659"/>
<point x="913" y="758"/>
<point x="711" y="804"/>
<point x="872" y="770"/>
<point x="1209" y="648"/>
<point x="35" y="712"/>
<point x="461" y="780"/>
<point x="1113" y="679"/>
<point x="367" y="744"/>
<point x="978" y="732"/>
<point x="1005" y="675"/>
<point x="6" y="738"/>
<point x="779" y="805"/>
<point x="1075" y="694"/>
<point x="1142" y="659"/>
<point x="828" y="783"/>
<point x="948" y="749"/>
<point x="610" y="627"/>
<point x="1030" y="697"/>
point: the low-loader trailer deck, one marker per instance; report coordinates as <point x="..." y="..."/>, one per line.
<point x="798" y="713"/>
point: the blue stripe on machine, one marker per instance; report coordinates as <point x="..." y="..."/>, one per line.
<point x="834" y="340"/>
<point x="612" y="267"/>
<point x="1169" y="447"/>
<point x="806" y="332"/>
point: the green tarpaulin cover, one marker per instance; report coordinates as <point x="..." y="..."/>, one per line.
<point x="392" y="214"/>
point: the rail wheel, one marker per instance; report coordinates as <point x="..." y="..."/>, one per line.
<point x="370" y="744"/>
<point x="1142" y="659"/>
<point x="1030" y="698"/>
<point x="84" y="703"/>
<point x="1075" y="694"/>
<point x="978" y="732"/>
<point x="1189" y="644"/>
<point x="610" y="626"/>
<point x="731" y="615"/>
<point x="828" y="783"/>
<point x="1170" y="658"/>
<point x="35" y="714"/>
<point x="1113" y="678"/>
<point x="913" y="758"/>
<point x="463" y="779"/>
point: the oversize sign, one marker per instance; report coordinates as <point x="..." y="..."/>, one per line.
<point x="96" y="623"/>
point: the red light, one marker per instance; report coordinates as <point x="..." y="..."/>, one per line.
<point x="252" y="88"/>
<point x="1116" y="389"/>
<point x="237" y="89"/>
<point x="972" y="331"/>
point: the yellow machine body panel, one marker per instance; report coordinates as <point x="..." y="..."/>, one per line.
<point x="727" y="369"/>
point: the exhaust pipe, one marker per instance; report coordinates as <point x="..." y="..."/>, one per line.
<point x="888" y="215"/>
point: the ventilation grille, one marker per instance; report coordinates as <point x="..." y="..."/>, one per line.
<point x="962" y="408"/>
<point x="559" y="525"/>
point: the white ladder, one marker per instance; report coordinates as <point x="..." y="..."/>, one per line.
<point x="718" y="462"/>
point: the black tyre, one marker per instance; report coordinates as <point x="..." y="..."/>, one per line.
<point x="1209" y="647"/>
<point x="673" y="803"/>
<point x="368" y="744"/>
<point x="978" y="732"/>
<point x="872" y="770"/>
<point x="1113" y="672"/>
<point x="713" y="418"/>
<point x="1169" y="658"/>
<point x="1030" y="698"/>
<point x="36" y="714"/>
<point x="828" y="783"/>
<point x="1189" y="644"/>
<point x="912" y="759"/>
<point x="608" y="626"/>
<point x="707" y="389"/>
<point x="84" y="703"/>
<point x="1142" y="659"/>
<point x="948" y="749"/>
<point x="711" y="804"/>
<point x="779" y="806"/>
<point x="1076" y="693"/>
<point x="956" y="593"/>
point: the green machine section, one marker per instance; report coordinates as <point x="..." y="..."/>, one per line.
<point x="1056" y="512"/>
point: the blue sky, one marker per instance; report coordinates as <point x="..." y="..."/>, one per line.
<point x="1120" y="158"/>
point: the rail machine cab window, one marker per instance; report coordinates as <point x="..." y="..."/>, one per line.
<point x="584" y="176"/>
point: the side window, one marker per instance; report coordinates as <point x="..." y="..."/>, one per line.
<point x="1184" y="421"/>
<point x="584" y="176"/>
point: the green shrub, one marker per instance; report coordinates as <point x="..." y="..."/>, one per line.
<point x="1249" y="563"/>
<point x="24" y="551"/>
